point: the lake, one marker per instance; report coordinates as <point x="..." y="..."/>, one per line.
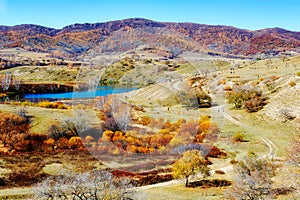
<point x="101" y="91"/>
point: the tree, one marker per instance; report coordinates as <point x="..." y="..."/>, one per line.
<point x="191" y="162"/>
<point x="90" y="185"/>
<point x="77" y="125"/>
<point x="123" y="116"/>
<point x="13" y="128"/>
<point x="253" y="179"/>
<point x="195" y="98"/>
<point x="294" y="151"/>
<point x="250" y="99"/>
<point x="294" y="160"/>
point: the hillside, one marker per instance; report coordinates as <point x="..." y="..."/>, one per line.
<point x="124" y="35"/>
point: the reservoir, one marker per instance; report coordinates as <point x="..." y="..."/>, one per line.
<point x="100" y="91"/>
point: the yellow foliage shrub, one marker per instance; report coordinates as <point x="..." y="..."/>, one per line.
<point x="75" y="142"/>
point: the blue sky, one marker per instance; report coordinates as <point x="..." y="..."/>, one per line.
<point x="249" y="14"/>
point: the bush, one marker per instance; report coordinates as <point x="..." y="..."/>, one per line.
<point x="292" y="83"/>
<point x="219" y="172"/>
<point x="45" y="104"/>
<point x="227" y="88"/>
<point x="56" y="132"/>
<point x="255" y="104"/>
<point x="195" y="99"/>
<point x="298" y="73"/>
<point x="63" y="143"/>
<point x="110" y="124"/>
<point x="49" y="144"/>
<point x="250" y="99"/>
<point x="75" y="142"/>
<point x="145" y="120"/>
<point x="253" y="179"/>
<point x="108" y="135"/>
<point x="13" y="128"/>
<point x="239" y="137"/>
<point x="26" y="103"/>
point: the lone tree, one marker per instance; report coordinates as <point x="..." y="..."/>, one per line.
<point x="294" y="161"/>
<point x="253" y="179"/>
<point x="195" y="98"/>
<point x="191" y="162"/>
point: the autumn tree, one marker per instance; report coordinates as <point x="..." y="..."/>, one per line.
<point x="195" y="98"/>
<point x="249" y="98"/>
<point x="253" y="179"/>
<point x="13" y="128"/>
<point x="191" y="162"/>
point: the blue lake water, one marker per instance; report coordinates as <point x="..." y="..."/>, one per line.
<point x="101" y="91"/>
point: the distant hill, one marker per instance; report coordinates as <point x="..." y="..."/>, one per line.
<point x="123" y="35"/>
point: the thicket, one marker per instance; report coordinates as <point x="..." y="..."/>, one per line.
<point x="250" y="99"/>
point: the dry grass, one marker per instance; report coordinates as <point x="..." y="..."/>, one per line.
<point x="42" y="117"/>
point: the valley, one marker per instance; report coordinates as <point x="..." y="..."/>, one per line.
<point x="174" y="88"/>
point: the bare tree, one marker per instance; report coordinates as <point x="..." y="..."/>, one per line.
<point x="115" y="104"/>
<point x="90" y="185"/>
<point x="16" y="84"/>
<point x="93" y="83"/>
<point x="253" y="179"/>
<point x="100" y="102"/>
<point x="294" y="161"/>
<point x="123" y="116"/>
<point x="6" y="81"/>
<point x="76" y="125"/>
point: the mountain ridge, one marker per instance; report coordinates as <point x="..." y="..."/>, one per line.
<point x="76" y="39"/>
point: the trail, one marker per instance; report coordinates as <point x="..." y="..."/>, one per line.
<point x="272" y="147"/>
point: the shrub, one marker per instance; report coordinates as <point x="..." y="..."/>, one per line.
<point x="273" y="78"/>
<point x="233" y="162"/>
<point x="251" y="99"/>
<point x="292" y="83"/>
<point x="227" y="88"/>
<point x="26" y="103"/>
<point x="255" y="104"/>
<point x="145" y="120"/>
<point x="239" y="137"/>
<point x="13" y="128"/>
<point x="24" y="114"/>
<point x="195" y="98"/>
<point x="204" y="126"/>
<point x="110" y="124"/>
<point x="89" y="139"/>
<point x="253" y="179"/>
<point x="45" y="104"/>
<point x="75" y="142"/>
<point x="62" y="106"/>
<point x="56" y="132"/>
<point x="219" y="172"/>
<point x="108" y="135"/>
<point x="63" y="143"/>
<point x="190" y="127"/>
<point x="223" y="81"/>
<point x="49" y="144"/>
<point x="298" y="73"/>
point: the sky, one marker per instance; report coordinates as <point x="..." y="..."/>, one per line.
<point x="247" y="14"/>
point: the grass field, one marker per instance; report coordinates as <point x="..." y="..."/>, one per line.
<point x="160" y="101"/>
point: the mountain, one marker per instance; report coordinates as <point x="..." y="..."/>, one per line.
<point x="124" y="35"/>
